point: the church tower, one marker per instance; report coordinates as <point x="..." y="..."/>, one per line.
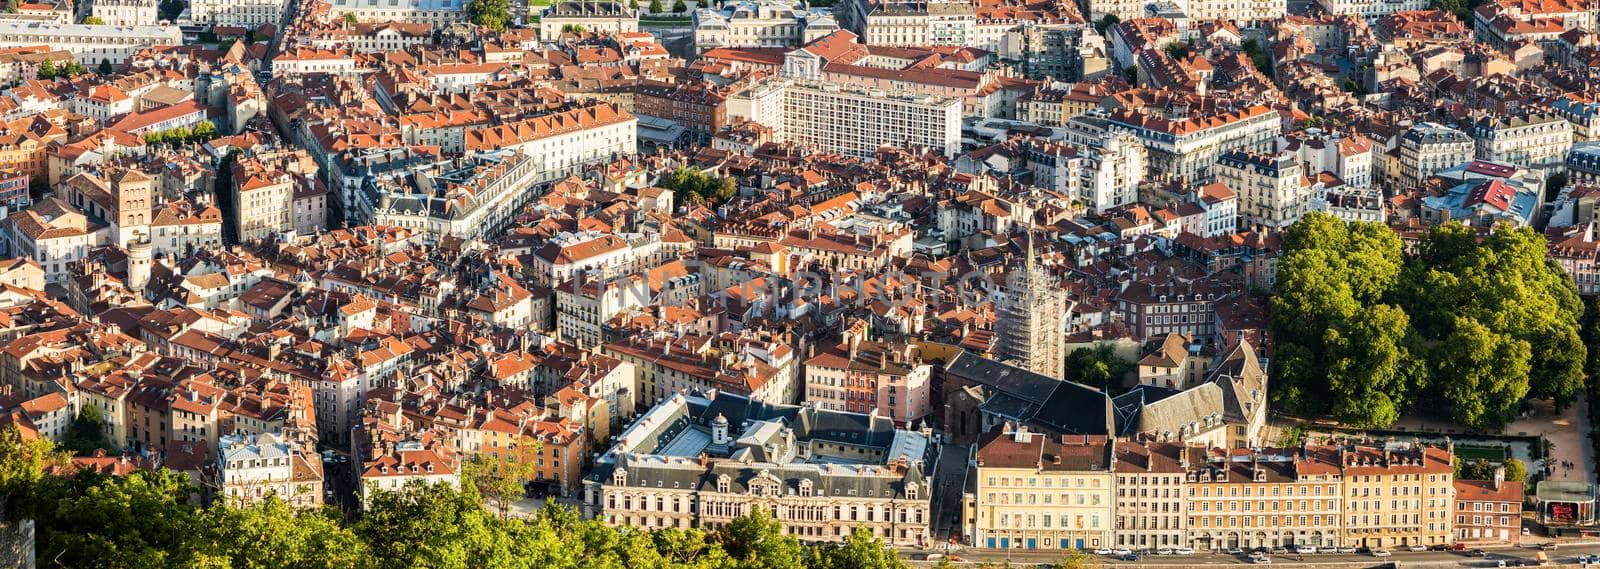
<point x="1033" y="312"/>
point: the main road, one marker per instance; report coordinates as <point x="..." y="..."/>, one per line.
<point x="1565" y="553"/>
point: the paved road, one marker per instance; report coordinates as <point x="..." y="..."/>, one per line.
<point x="1564" y="554"/>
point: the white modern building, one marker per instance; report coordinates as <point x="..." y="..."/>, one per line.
<point x="610" y="17"/>
<point x="849" y="120"/>
<point x="912" y="23"/>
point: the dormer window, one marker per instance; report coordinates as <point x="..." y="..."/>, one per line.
<point x="723" y="483"/>
<point x="805" y="488"/>
<point x="911" y="491"/>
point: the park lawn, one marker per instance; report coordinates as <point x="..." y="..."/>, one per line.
<point x="1470" y="453"/>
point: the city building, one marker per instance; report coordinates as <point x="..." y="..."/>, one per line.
<point x="126" y="12"/>
<point x="437" y="13"/>
<point x="1272" y="188"/>
<point x="1428" y="148"/>
<point x="760" y="24"/>
<point x="1035" y="491"/>
<point x="1151" y="493"/>
<point x="610" y="17"/>
<point x="850" y="120"/>
<point x="1533" y="140"/>
<point x="113" y="44"/>
<point x="906" y="23"/>
<point x="699" y="461"/>
<point x="1188" y="147"/>
<point x="864" y="376"/>
<point x="1268" y="497"/>
<point x="1488" y="512"/>
<point x="252" y="467"/>
<point x="1398" y="495"/>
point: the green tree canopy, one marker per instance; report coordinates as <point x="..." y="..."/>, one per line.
<point x="493" y="14"/>
<point x="1098" y="366"/>
<point x="1362" y="329"/>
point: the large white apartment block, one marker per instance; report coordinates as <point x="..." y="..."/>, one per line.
<point x="849" y="120"/>
<point x="89" y="43"/>
<point x="438" y="13"/>
<point x="760" y="23"/>
<point x="250" y="13"/>
<point x="126" y="12"/>
<point x="1241" y="11"/>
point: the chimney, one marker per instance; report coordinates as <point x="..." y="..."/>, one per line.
<point x="1499" y="477"/>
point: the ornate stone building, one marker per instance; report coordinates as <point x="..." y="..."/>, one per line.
<point x="1031" y="317"/>
<point x="701" y="461"/>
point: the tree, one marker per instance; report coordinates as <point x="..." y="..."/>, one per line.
<point x="498" y="480"/>
<point x="1343" y="351"/>
<point x="87" y="432"/>
<point x="757" y="540"/>
<point x="1106" y="22"/>
<point x="1487" y="374"/>
<point x="94" y="21"/>
<point x="25" y="464"/>
<point x="633" y="5"/>
<point x="655" y="7"/>
<point x="143" y="519"/>
<point x="1098" y="366"/>
<point x="12" y="6"/>
<point x="1076" y="559"/>
<point x="678" y="7"/>
<point x="47" y="70"/>
<point x="203" y="131"/>
<point x="1258" y="57"/>
<point x="1553" y="185"/>
<point x="270" y="534"/>
<point x="859" y="551"/>
<point x="1176" y="50"/>
<point x="71" y="69"/>
<point x="350" y="18"/>
<point x="1516" y="471"/>
<point x="492" y="14"/>
<point x="170" y="9"/>
<point x="105" y="67"/>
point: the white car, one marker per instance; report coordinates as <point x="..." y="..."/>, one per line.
<point x="1346" y="550"/>
<point x="1380" y="553"/>
<point x="1233" y="551"/>
<point x="1262" y="560"/>
<point x="1184" y="551"/>
<point x="1164" y="551"/>
<point x="1122" y="551"/>
<point x="1103" y="551"/>
<point x="1305" y="549"/>
<point x="1417" y="548"/>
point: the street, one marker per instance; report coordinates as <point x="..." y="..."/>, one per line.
<point x="1512" y="556"/>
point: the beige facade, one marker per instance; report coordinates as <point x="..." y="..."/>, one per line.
<point x="1036" y="491"/>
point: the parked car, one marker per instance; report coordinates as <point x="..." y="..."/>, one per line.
<point x="1262" y="560"/>
<point x="1547" y="546"/>
<point x="1102" y="551"/>
<point x="1345" y="550"/>
<point x="1183" y="551"/>
<point x="1417" y="548"/>
<point x="1122" y="552"/>
<point x="1440" y="547"/>
<point x="1164" y="551"/>
<point x="1380" y="553"/>
<point x="1233" y="551"/>
<point x="1478" y="553"/>
<point x="1279" y="551"/>
<point x="1130" y="557"/>
<point x="1500" y="563"/>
